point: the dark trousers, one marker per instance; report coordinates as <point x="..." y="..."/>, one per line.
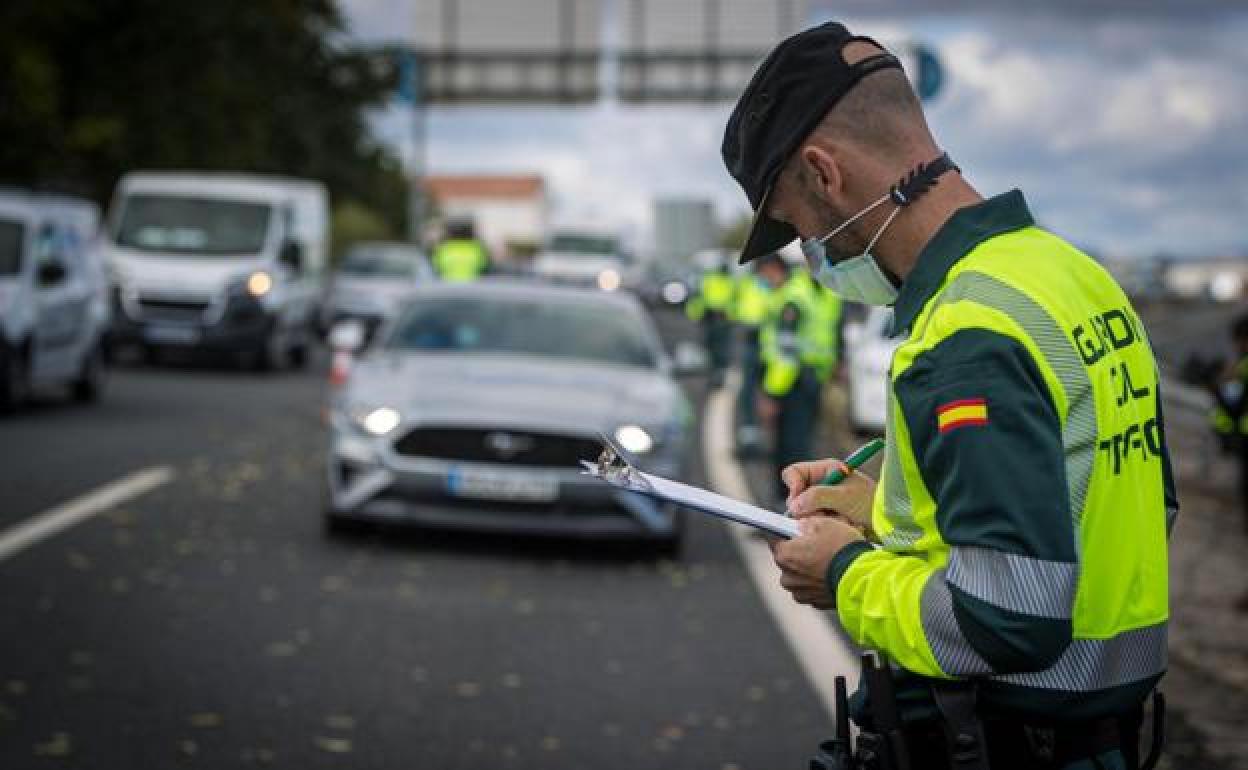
<point x="717" y="334"/>
<point x="795" y="425"/>
<point x="751" y="376"/>
<point x="1242" y="452"/>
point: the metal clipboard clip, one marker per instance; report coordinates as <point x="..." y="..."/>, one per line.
<point x="614" y="467"/>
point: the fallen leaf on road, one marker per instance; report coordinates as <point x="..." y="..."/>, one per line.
<point x="16" y="687"/>
<point x="340" y="722"/>
<point x="205" y="719"/>
<point x="281" y="649"/>
<point x="551" y="743"/>
<point x="59" y="745"/>
<point x="511" y="680"/>
<point x="467" y="689"/>
<point x="188" y="747"/>
<point x="78" y="561"/>
<point x="333" y="745"/>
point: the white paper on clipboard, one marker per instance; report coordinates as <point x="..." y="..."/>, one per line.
<point x="695" y="498"/>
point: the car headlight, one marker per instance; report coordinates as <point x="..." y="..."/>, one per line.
<point x="377" y="421"/>
<point x="259" y="284"/>
<point x="609" y="280"/>
<point x="634" y="438"/>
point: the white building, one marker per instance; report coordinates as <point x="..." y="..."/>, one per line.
<point x="504" y="209"/>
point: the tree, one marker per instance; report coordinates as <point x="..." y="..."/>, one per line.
<point x="93" y="88"/>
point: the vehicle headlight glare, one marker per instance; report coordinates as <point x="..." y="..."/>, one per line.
<point x="674" y="292"/>
<point x="381" y="421"/>
<point x="634" y="438"/>
<point x="259" y="283"/>
<point x="608" y="280"/>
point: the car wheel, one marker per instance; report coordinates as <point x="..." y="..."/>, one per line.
<point x="14" y="380"/>
<point x="90" y="382"/>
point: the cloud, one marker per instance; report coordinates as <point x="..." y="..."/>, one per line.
<point x="1125" y="132"/>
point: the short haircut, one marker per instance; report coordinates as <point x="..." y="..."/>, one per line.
<point x="882" y="112"/>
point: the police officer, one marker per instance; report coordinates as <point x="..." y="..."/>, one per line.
<point x="1230" y="414"/>
<point x="460" y="257"/>
<point x="710" y="307"/>
<point x="796" y="354"/>
<point x="751" y="299"/>
<point x="1017" y="538"/>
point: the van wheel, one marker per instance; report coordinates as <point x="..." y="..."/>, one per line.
<point x="14" y="379"/>
<point x="90" y="382"/>
<point x="271" y="354"/>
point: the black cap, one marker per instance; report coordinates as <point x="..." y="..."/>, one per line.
<point x="794" y="87"/>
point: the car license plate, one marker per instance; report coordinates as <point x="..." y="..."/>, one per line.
<point x="171" y="335"/>
<point x="485" y="484"/>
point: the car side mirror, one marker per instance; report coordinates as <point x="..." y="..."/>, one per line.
<point x="689" y="359"/>
<point x="52" y="273"/>
<point x="291" y="255"/>
<point x="347" y="337"/>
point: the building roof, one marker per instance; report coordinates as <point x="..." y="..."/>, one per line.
<point x="516" y="186"/>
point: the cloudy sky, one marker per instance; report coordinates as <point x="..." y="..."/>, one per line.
<point x="1128" y="132"/>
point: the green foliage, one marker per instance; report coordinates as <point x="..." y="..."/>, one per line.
<point x="93" y="88"/>
<point x="354" y="222"/>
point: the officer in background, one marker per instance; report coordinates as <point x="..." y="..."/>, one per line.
<point x="1013" y="555"/>
<point x="710" y="306"/>
<point x="796" y="342"/>
<point x="751" y="299"/>
<point x="1229" y="389"/>
<point x="461" y="256"/>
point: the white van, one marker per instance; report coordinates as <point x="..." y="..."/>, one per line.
<point x="54" y="312"/>
<point x="226" y="262"/>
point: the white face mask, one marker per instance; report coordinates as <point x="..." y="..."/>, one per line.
<point x="857" y="279"/>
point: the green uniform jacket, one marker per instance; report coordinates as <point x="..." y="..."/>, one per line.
<point x="1026" y="494"/>
<point x="801" y="330"/>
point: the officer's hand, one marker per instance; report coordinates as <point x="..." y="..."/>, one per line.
<point x="804" y="560"/>
<point x="850" y="499"/>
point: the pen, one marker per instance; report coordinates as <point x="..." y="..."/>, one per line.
<point x="858" y="458"/>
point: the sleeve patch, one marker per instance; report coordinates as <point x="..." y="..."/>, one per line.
<point x="962" y="413"/>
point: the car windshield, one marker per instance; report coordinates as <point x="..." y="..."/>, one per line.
<point x="193" y="226"/>
<point x="526" y="326"/>
<point x="11" y="236"/>
<point x="382" y="262"/>
<point x="585" y="243"/>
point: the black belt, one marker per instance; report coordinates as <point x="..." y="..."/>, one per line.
<point x="1014" y="745"/>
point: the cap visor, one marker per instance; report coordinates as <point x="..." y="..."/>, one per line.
<point x="766" y="234"/>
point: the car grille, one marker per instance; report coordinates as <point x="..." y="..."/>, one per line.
<point x="498" y="446"/>
<point x="176" y="310"/>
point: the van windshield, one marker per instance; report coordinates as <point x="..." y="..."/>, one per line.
<point x="11" y="235"/>
<point x="193" y="226"/>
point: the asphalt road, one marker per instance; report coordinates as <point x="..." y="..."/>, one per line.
<point x="210" y="623"/>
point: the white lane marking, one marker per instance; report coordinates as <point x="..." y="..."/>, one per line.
<point x="821" y="654"/>
<point x="67" y="514"/>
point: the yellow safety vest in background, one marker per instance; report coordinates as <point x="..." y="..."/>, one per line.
<point x="714" y="294"/>
<point x="750" y="300"/>
<point x="787" y="347"/>
<point x="460" y="259"/>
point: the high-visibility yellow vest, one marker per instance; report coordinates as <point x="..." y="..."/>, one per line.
<point x="800" y="331"/>
<point x="460" y="259"/>
<point x="714" y="294"/>
<point x="1026" y="494"/>
<point x="750" y="300"/>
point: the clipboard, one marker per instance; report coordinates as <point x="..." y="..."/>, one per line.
<point x="614" y="468"/>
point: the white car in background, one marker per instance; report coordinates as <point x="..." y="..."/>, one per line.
<point x="54" y="313"/>
<point x="372" y="281"/>
<point x="869" y="353"/>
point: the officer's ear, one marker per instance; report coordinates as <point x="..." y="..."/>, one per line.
<point x="822" y="173"/>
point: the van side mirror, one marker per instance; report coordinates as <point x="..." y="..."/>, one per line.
<point x="51" y="273"/>
<point x="291" y="255"/>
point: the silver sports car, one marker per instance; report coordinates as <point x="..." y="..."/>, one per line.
<point x="476" y="405"/>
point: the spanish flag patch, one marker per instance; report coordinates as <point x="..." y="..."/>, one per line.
<point x="962" y="413"/>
